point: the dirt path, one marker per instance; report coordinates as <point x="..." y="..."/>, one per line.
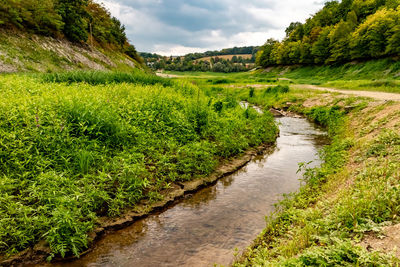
<point x="371" y="94"/>
<point x="164" y="75"/>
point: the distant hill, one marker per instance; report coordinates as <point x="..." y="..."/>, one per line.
<point x="246" y="50"/>
<point x="234" y="59"/>
<point x="341" y="32"/>
<point x="227" y="57"/>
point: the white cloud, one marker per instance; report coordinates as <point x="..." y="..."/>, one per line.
<point x="176" y="50"/>
<point x="176" y="27"/>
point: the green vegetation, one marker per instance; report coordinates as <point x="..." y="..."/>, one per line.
<point x="352" y="194"/>
<point x="99" y="77"/>
<point x="26" y="52"/>
<point x="342" y="31"/>
<point x="373" y="75"/>
<point x="82" y="21"/>
<point x="196" y="61"/>
<point x="78" y="146"/>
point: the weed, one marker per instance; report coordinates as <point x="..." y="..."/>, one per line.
<point x="77" y="146"/>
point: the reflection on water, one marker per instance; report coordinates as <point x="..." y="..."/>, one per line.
<point x="206" y="227"/>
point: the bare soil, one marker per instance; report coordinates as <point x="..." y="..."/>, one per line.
<point x="387" y="242"/>
<point x="375" y="95"/>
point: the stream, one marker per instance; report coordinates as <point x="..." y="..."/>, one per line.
<point x="207" y="227"/>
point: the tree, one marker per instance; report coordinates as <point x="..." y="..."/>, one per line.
<point x="73" y="13"/>
<point x="339" y="43"/>
<point x="295" y="31"/>
<point x="371" y="38"/>
<point x="320" y="49"/>
<point x="32" y="15"/>
<point x="264" y="55"/>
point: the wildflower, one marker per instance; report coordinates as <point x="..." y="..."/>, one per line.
<point x="37" y="120"/>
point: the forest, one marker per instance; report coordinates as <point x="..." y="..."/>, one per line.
<point x="340" y="32"/>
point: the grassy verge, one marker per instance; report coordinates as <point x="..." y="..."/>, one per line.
<point x="353" y="194"/>
<point x="374" y="75"/>
<point x="77" y="146"/>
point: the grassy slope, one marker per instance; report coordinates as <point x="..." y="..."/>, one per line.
<point x="353" y="194"/>
<point x="375" y="75"/>
<point x="21" y="52"/>
<point x="71" y="152"/>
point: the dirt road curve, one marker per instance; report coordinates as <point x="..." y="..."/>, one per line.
<point x="375" y="95"/>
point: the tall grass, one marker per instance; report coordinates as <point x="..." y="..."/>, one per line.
<point x="101" y="77"/>
<point x="71" y="152"/>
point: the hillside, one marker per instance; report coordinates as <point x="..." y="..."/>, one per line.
<point x="20" y="52"/>
<point x="59" y="35"/>
<point x="340" y="32"/>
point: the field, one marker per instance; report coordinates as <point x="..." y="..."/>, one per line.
<point x="78" y="146"/>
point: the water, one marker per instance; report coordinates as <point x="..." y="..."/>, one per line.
<point x="206" y="227"/>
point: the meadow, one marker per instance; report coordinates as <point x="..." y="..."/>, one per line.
<point x="78" y="146"/>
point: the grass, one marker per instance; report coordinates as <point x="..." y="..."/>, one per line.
<point x="101" y="77"/>
<point x="389" y="86"/>
<point x="374" y="75"/>
<point x="78" y="146"/>
<point x="81" y="145"/>
<point x="352" y="194"/>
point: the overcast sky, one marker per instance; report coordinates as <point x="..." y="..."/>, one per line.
<point x="177" y="27"/>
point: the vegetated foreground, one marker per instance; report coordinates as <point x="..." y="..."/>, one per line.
<point x="78" y="146"/>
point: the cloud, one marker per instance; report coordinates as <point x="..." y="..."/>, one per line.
<point x="176" y="27"/>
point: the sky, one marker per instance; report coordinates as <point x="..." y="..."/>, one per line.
<point x="178" y="27"/>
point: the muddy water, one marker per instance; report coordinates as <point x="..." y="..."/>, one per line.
<point x="206" y="227"/>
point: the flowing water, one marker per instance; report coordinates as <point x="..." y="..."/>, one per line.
<point x="206" y="227"/>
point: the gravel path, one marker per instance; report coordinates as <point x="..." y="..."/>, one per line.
<point x="371" y="94"/>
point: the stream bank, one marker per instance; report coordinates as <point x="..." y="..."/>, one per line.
<point x="206" y="226"/>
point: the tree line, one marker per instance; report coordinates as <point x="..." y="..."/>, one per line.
<point x="80" y="21"/>
<point x="338" y="33"/>
<point x="236" y="64"/>
<point x="194" y="62"/>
